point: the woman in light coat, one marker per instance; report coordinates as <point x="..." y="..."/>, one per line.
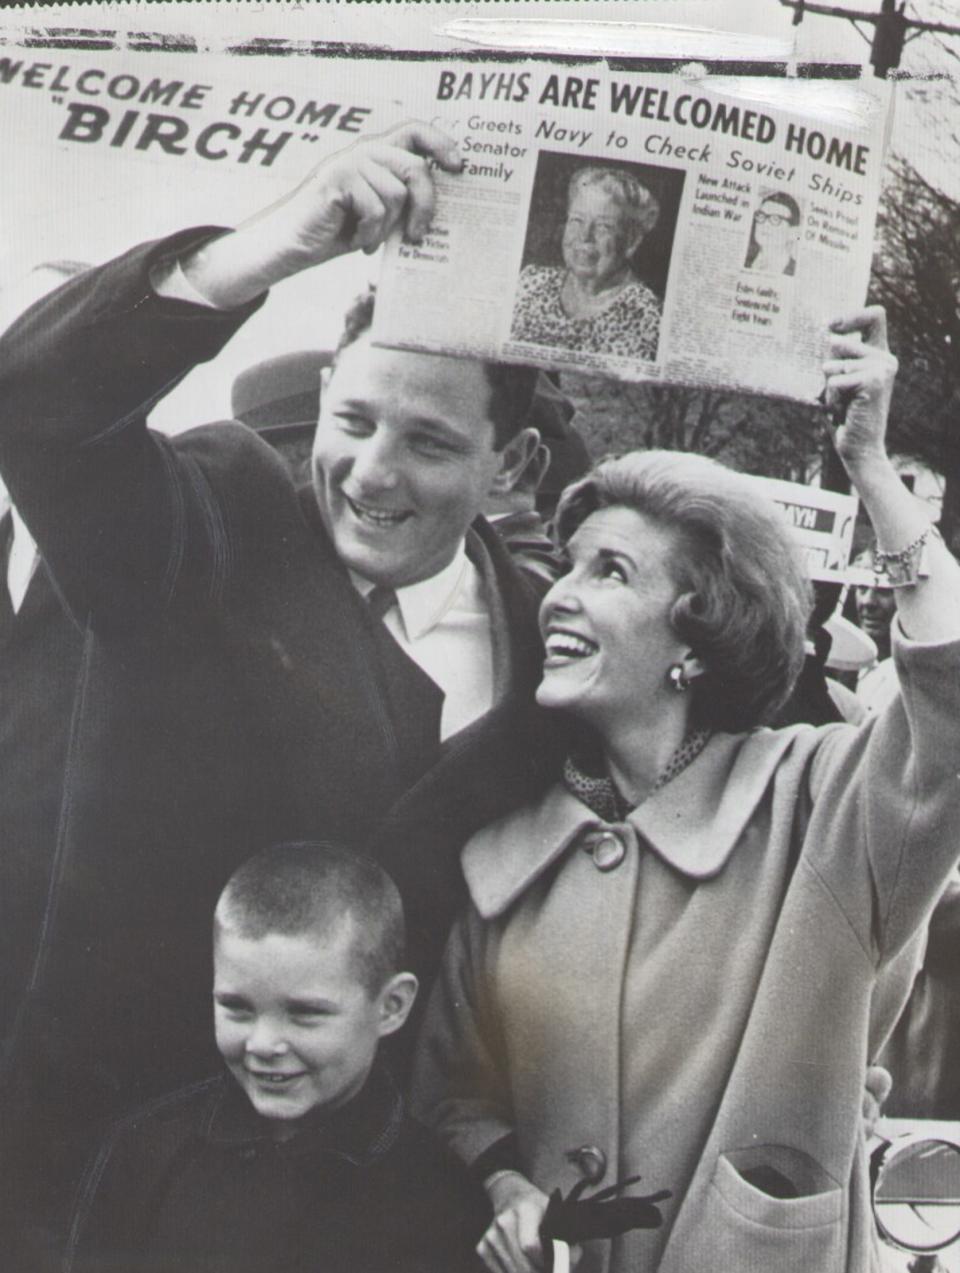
<point x="668" y="961"/>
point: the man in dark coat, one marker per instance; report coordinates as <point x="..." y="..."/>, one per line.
<point x="239" y="682"/>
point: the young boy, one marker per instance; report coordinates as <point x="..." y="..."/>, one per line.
<point x="301" y="1159"/>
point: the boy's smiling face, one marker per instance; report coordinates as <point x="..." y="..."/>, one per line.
<point x="295" y="1023"/>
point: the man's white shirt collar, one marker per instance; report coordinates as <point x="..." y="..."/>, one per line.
<point x="22" y="557"/>
<point x="425" y="604"/>
<point x="443" y="624"/>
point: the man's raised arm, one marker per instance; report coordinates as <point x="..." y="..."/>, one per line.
<point x="121" y="517"/>
<point x="350" y="201"/>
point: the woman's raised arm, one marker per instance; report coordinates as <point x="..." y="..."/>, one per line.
<point x="924" y="575"/>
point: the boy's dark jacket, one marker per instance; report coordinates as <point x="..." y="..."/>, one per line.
<point x="194" y="1183"/>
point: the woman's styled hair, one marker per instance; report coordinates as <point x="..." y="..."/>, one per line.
<point x="743" y="593"/>
<point x="641" y="207"/>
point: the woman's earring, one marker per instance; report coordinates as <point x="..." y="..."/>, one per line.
<point x="678" y="678"/>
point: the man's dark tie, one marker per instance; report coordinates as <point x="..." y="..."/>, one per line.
<point x="414" y="701"/>
<point x="380" y="599"/>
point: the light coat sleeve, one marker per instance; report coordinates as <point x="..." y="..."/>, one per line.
<point x="884" y="833"/>
<point x="459" y="1084"/>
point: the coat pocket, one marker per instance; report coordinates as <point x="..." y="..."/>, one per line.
<point x="767" y="1207"/>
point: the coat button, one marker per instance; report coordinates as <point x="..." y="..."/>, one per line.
<point x="590" y="1161"/>
<point x="608" y="851"/>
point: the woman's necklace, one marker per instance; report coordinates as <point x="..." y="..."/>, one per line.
<point x="602" y="796"/>
<point x="686" y="754"/>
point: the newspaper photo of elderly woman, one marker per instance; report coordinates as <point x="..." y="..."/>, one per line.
<point x="594" y="301"/>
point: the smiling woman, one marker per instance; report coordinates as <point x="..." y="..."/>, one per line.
<point x="607" y="626"/>
<point x="727" y="581"/>
<point x="641" y="985"/>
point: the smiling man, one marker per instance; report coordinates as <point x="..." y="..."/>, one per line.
<point x="404" y="454"/>
<point x="261" y="662"/>
<point x="408" y="449"/>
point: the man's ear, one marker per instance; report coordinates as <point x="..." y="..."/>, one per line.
<point x="396" y="1001"/>
<point x="514" y="458"/>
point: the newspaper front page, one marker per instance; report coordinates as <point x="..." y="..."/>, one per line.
<point x="641" y="226"/>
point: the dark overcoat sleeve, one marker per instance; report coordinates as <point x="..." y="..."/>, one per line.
<point x="120" y="517"/>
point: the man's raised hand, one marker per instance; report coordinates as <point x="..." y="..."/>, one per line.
<point x="351" y="200"/>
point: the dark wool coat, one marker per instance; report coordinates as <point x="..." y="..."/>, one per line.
<point x="194" y="1184"/>
<point x="41" y="650"/>
<point x="233" y="691"/>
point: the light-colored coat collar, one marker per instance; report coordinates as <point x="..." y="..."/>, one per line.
<point x="693" y="822"/>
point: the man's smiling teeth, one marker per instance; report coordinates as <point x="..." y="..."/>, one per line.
<point x="567" y="645"/>
<point x="375" y="516"/>
<point x="272" y="1078"/>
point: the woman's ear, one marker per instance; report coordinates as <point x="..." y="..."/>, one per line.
<point x="692" y="666"/>
<point x="396" y="1001"/>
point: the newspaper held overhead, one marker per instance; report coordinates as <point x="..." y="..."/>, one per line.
<point x="641" y="226"/>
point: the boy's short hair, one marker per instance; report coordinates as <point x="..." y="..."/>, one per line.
<point x="307" y="886"/>
<point x="513" y="387"/>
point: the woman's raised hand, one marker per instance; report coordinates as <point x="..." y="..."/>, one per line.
<point x="859" y="383"/>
